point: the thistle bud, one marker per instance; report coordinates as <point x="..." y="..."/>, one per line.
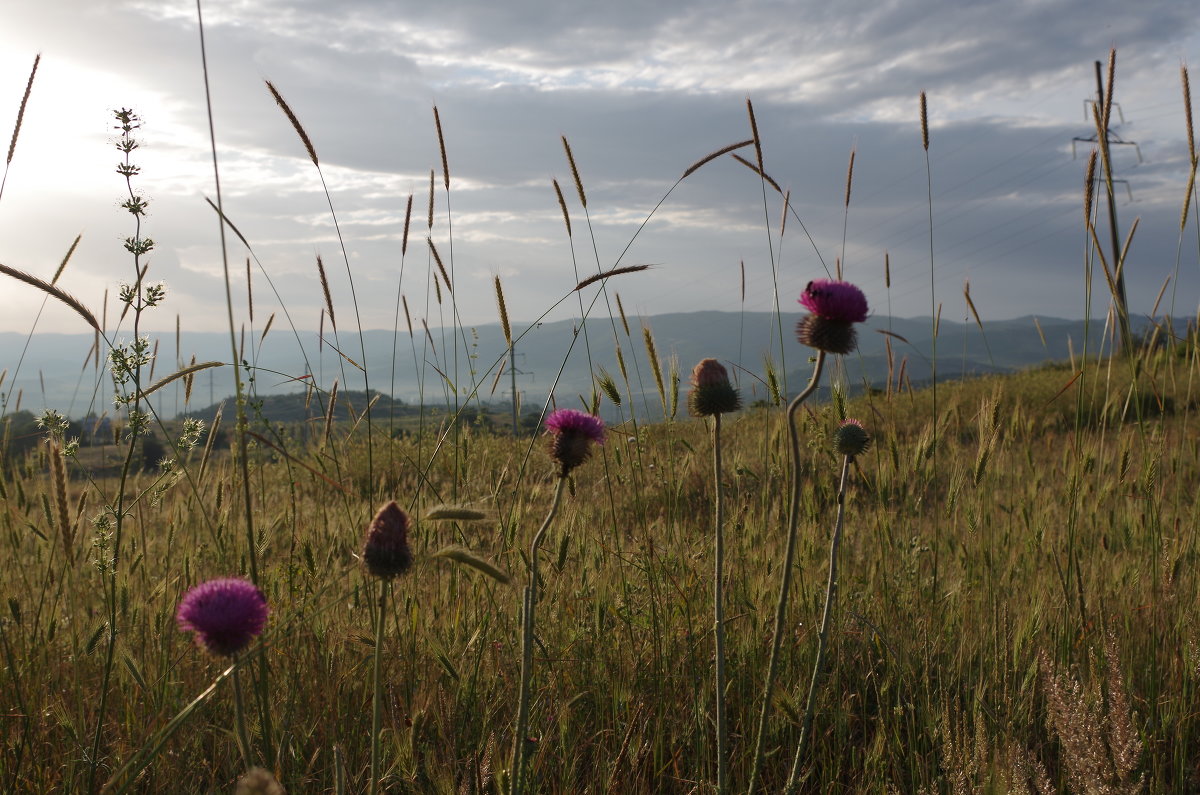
<point x="712" y="393"/>
<point x="851" y="438"/>
<point x="386" y="552"/>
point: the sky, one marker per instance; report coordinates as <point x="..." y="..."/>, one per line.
<point x="641" y="91"/>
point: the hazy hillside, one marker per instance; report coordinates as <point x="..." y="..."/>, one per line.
<point x="58" y="372"/>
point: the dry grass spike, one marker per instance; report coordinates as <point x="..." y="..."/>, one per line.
<point x="562" y="203"/>
<point x="308" y="145"/>
<point x="1089" y="188"/>
<point x="758" y="154"/>
<point x="441" y="268"/>
<point x="503" y="312"/>
<point x="758" y="171"/>
<point x="437" y="121"/>
<point x="614" y="272"/>
<point x="711" y="156"/>
<point x="575" y="172"/>
<point x="62" y="266"/>
<point x="50" y="289"/>
<point x="924" y="122"/>
<point x="325" y="290"/>
<point x="407" y="221"/>
<point x="12" y="145"/>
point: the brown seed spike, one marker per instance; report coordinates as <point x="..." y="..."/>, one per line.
<point x="1187" y="111"/>
<point x="849" y="177"/>
<point x="304" y="139"/>
<point x="924" y="123"/>
<point x="12" y="146"/>
<point x="575" y="173"/>
<point x="613" y="272"/>
<point x="503" y="312"/>
<point x="1089" y="188"/>
<point x="758" y="155"/>
<point x="407" y="220"/>
<point x="325" y="289"/>
<point x="562" y="203"/>
<point x="431" y="198"/>
<point x="437" y="120"/>
<point x="713" y="156"/>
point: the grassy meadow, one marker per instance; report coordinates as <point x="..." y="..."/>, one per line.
<point x="1017" y="606"/>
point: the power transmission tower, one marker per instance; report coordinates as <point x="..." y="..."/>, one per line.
<point x="1105" y="138"/>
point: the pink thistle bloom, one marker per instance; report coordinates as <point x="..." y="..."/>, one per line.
<point x="225" y="614"/>
<point x="386" y="552"/>
<point x="576" y="423"/>
<point x="834" y="300"/>
<point x="573" y="434"/>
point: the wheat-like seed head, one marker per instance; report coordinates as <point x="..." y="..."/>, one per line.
<point x="50" y="289"/>
<point x="575" y="172"/>
<point x="595" y="277"/>
<point x="407" y="220"/>
<point x="12" y="146"/>
<point x="430" y="224"/>
<point x="887" y="271"/>
<point x="325" y="290"/>
<point x="63" y="265"/>
<point x="441" y="268"/>
<point x="924" y="123"/>
<point x="437" y="120"/>
<point x="713" y="156"/>
<point x="1089" y="188"/>
<point x="503" y="312"/>
<point x="562" y="203"/>
<point x="621" y="309"/>
<point x="299" y="128"/>
<point x="407" y="317"/>
<point x="758" y="171"/>
<point x="1187" y="112"/>
<point x="758" y="153"/>
<point x="849" y="177"/>
<point x="652" y="355"/>
<point x="329" y="413"/>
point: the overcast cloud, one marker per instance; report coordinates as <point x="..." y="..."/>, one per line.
<point x="641" y="90"/>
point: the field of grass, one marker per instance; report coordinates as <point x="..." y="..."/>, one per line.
<point x="1017" y="606"/>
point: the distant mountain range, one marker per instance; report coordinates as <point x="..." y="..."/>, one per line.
<point x="56" y="371"/>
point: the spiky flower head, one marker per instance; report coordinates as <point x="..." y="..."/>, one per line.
<point x="835" y="306"/>
<point x="572" y="434"/>
<point x="712" y="393"/>
<point x="226" y="614"/>
<point x="386" y="552"/>
<point x="851" y="438"/>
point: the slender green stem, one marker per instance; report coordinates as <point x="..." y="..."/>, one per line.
<point x="516" y="775"/>
<point x="239" y="708"/>
<point x="377" y="701"/>
<point x="823" y="637"/>
<point x="719" y="613"/>
<point x="785" y="581"/>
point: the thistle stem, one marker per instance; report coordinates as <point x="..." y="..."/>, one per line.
<point x="239" y="718"/>
<point x="377" y="699"/>
<point x="823" y="638"/>
<point x="719" y="613"/>
<point x="520" y="746"/>
<point x="785" y="582"/>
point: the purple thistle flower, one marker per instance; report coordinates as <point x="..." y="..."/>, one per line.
<point x="834" y="300"/>
<point x="573" y="433"/>
<point x="386" y="552"/>
<point x="835" y="307"/>
<point x="225" y="614"/>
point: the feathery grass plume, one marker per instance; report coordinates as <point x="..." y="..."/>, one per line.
<point x="333" y="391"/>
<point x="296" y="125"/>
<point x="503" y="311"/>
<point x="50" y="289"/>
<point x="573" y="433"/>
<point x="924" y="123"/>
<point x="188" y="380"/>
<point x="595" y="277"/>
<point x="407" y="316"/>
<point x="608" y="386"/>
<point x="463" y="556"/>
<point x="430" y="219"/>
<point x="407" y="221"/>
<point x="1089" y="188"/>
<point x="758" y="171"/>
<point x="186" y="372"/>
<point x="437" y="121"/>
<point x="62" y="266"/>
<point x="849" y="177"/>
<point x="1187" y="112"/>
<point x="652" y="355"/>
<point x="12" y="145"/>
<point x="457" y="513"/>
<point x="437" y="258"/>
<point x="758" y="152"/>
<point x="711" y="156"/>
<point x="562" y="203"/>
<point x="621" y="311"/>
<point x="325" y="290"/>
<point x="58" y="479"/>
<point x="850" y="440"/>
<point x="575" y="172"/>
